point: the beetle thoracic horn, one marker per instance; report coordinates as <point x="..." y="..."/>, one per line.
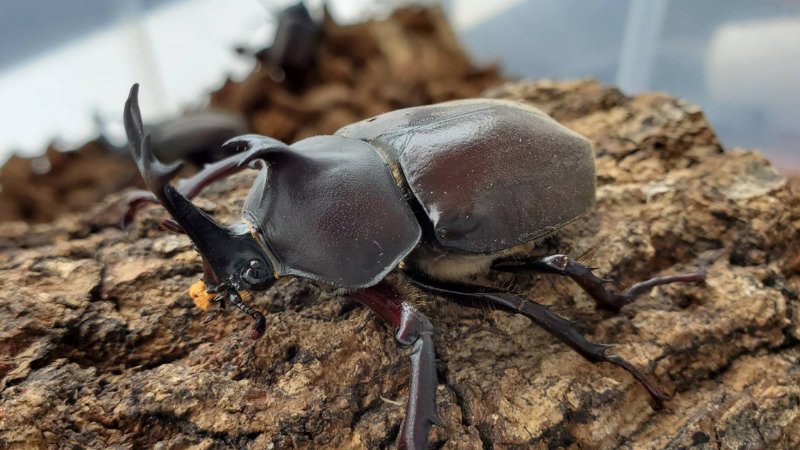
<point x="255" y="146"/>
<point x="206" y="233"/>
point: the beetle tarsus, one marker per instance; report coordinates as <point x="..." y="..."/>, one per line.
<point x="644" y="286"/>
<point x="480" y="297"/>
<point x="593" y="285"/>
<point x="659" y="397"/>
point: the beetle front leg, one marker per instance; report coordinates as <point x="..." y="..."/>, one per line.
<point x="219" y="300"/>
<point x="582" y="275"/>
<point x="416" y="331"/>
<point x="480" y="297"/>
<point x="259" y="322"/>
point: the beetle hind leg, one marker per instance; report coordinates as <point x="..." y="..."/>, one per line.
<point x="594" y="286"/>
<point x="562" y="329"/>
<point x="413" y="330"/>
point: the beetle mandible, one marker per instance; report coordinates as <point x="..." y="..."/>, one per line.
<point x="424" y="197"/>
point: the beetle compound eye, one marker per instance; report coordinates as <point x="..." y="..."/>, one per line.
<point x="255" y="273"/>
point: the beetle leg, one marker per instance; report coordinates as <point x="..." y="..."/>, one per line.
<point x="416" y="331"/>
<point x="583" y="276"/>
<point x="259" y="322"/>
<point x="220" y="300"/>
<point x="562" y="329"/>
<point x="172" y="225"/>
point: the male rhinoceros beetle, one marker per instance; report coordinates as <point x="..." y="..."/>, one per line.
<point x="420" y="198"/>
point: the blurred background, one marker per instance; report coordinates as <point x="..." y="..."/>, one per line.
<point x="66" y="67"/>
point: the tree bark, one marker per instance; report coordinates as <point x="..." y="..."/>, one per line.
<point x="101" y="347"/>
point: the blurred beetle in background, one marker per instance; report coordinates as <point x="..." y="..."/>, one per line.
<point x="293" y="51"/>
<point x="195" y="136"/>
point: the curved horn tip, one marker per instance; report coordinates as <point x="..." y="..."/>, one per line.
<point x="155" y="173"/>
<point x="132" y="118"/>
<point x="132" y="103"/>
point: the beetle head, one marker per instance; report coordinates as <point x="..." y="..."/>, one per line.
<point x="233" y="258"/>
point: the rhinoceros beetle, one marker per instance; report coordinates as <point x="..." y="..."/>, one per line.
<point x="416" y="199"/>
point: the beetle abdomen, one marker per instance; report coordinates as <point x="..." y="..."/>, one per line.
<point x="490" y="174"/>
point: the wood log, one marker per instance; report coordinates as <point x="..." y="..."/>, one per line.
<point x="101" y="347"/>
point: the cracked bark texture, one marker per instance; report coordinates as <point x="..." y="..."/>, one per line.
<point x="100" y="346"/>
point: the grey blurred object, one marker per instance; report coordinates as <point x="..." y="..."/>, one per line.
<point x="196" y="137"/>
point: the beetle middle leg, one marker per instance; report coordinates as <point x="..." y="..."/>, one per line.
<point x="413" y="330"/>
<point x="582" y="275"/>
<point x="562" y="329"/>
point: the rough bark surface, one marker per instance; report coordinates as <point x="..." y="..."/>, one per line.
<point x="100" y="346"/>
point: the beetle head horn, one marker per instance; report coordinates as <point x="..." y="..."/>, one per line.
<point x="231" y="252"/>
